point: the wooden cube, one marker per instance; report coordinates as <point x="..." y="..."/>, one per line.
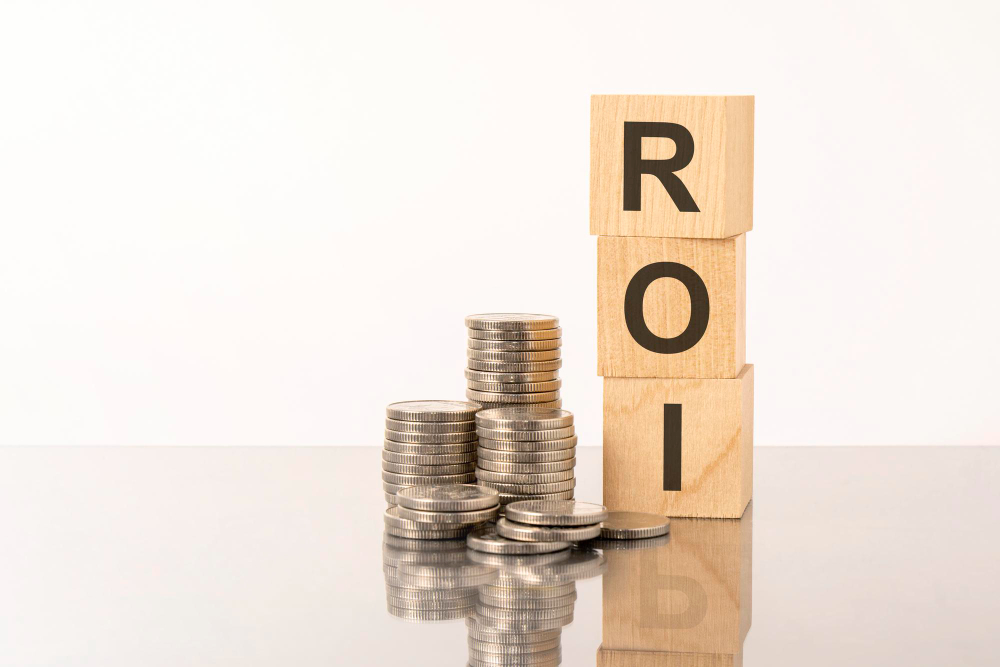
<point x="671" y="165"/>
<point x="689" y="597"/>
<point x="618" y="658"/>
<point x="691" y="324"/>
<point x="679" y="447"/>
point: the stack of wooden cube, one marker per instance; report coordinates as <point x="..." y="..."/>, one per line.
<point x="671" y="196"/>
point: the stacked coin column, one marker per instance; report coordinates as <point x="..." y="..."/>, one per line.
<point x="678" y="394"/>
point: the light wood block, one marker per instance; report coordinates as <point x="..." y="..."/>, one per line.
<point x="701" y="146"/>
<point x="618" y="658"/>
<point x="690" y="599"/>
<point x="669" y="307"/>
<point x="707" y="425"/>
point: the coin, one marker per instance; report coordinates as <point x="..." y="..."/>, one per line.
<point x="428" y="459"/>
<point x="581" y="564"/>
<point x="510" y="487"/>
<point x="420" y="545"/>
<point x="431" y="604"/>
<point x="511" y="321"/>
<point x="514" y="366"/>
<point x="421" y="616"/>
<point x="503" y="589"/>
<point x="422" y="480"/>
<point x="405" y="593"/>
<point x="525" y="334"/>
<point x="514" y="446"/>
<point x="525" y="435"/>
<point x="430" y="427"/>
<point x="477" y="630"/>
<point x="498" y="647"/>
<point x="511" y="398"/>
<point x="528" y="533"/>
<point x="403" y="528"/>
<point x="489" y="611"/>
<point x="515" y="345"/>
<point x="470" y="517"/>
<point x="523" y="477"/>
<point x="390" y="498"/>
<point x="629" y="545"/>
<point x="489" y="541"/>
<point x="507" y="498"/>
<point x="633" y="526"/>
<point x="549" y="404"/>
<point x="432" y="411"/>
<point x="448" y="498"/>
<point x="408" y="469"/>
<point x="430" y="438"/>
<point x="519" y="626"/>
<point x="526" y="418"/>
<point x="514" y="387"/>
<point x="527" y="468"/>
<point x="493" y="456"/>
<point x="429" y="449"/>
<point x="526" y="355"/>
<point x="557" y="512"/>
<point x="507" y="378"/>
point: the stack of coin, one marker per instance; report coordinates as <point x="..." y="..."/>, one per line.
<point x="551" y="521"/>
<point x="428" y="442"/>
<point x="412" y="601"/>
<point x="632" y="530"/>
<point x="526" y="452"/>
<point x="513" y="359"/>
<point x="450" y="507"/>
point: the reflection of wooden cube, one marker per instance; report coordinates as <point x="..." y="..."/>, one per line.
<point x="671" y="307"/>
<point x="679" y="447"/>
<point x="616" y="658"/>
<point x="664" y="165"/>
<point x="691" y="595"/>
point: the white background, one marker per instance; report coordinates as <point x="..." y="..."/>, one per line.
<point x="259" y="222"/>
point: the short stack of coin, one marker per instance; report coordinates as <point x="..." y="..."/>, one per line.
<point x="448" y="507"/>
<point x="551" y="521"/>
<point x="406" y="597"/>
<point x="526" y="452"/>
<point x="428" y="442"/>
<point x="513" y="359"/>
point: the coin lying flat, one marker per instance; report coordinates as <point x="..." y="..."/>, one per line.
<point x="514" y="366"/>
<point x="524" y="355"/>
<point x="514" y="387"/>
<point x="432" y="411"/>
<point x="527" y="468"/>
<point x="526" y="435"/>
<point x="511" y="398"/>
<point x="430" y="438"/>
<point x="409" y="469"/>
<point x="511" y="487"/>
<point x="549" y="404"/>
<point x="528" y="533"/>
<point x="430" y="427"/>
<point x="554" y="445"/>
<point x="394" y="525"/>
<point x="477" y="630"/>
<point x="511" y="649"/>
<point x="489" y="541"/>
<point x="421" y="616"/>
<point x="524" y="419"/>
<point x="523" y="334"/>
<point x="523" y="477"/>
<point x="500" y="456"/>
<point x="448" y="498"/>
<point x="428" y="459"/>
<point x="511" y="321"/>
<point x="508" y="498"/>
<point x="444" y="518"/>
<point x="423" y="480"/>
<point x="556" y="512"/>
<point x="429" y="448"/>
<point x="633" y="526"/>
<point x="515" y="345"/>
<point x="508" y="378"/>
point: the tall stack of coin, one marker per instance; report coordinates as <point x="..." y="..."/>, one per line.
<point x="526" y="452"/>
<point x="513" y="359"/>
<point x="428" y="442"/>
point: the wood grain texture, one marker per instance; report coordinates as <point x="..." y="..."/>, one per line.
<point x="719" y="176"/>
<point x="721" y="265"/>
<point x="619" y="658"/>
<point x="691" y="596"/>
<point x="716" y="445"/>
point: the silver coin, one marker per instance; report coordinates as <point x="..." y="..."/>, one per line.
<point x="557" y="513"/>
<point x="431" y="604"/>
<point x="527" y="468"/>
<point x="629" y="545"/>
<point x="421" y="616"/>
<point x="524" y="419"/>
<point x="429" y="449"/>
<point x="524" y="477"/>
<point x="517" y="590"/>
<point x="489" y="611"/>
<point x="477" y="630"/>
<point x="430" y="438"/>
<point x="511" y="399"/>
<point x="556" y="445"/>
<point x="494" y="456"/>
<point x="444" y="518"/>
<point x="430" y="427"/>
<point x="487" y="540"/>
<point x="515" y="345"/>
<point x="390" y="499"/>
<point x="511" y="564"/>
<point x="409" y="469"/>
<point x="510" y="487"/>
<point x="423" y="480"/>
<point x="404" y="544"/>
<point x="519" y="626"/>
<point x="529" y="533"/>
<point x="508" y="498"/>
<point x="526" y="355"/>
<point x="428" y="459"/>
<point x="391" y="519"/>
<point x="457" y="578"/>
<point x="448" y="498"/>
<point x="548" y="404"/>
<point x="633" y="526"/>
<point x="518" y="603"/>
<point x="550" y="658"/>
<point x="509" y="378"/>
<point x="502" y="648"/>
<point x="430" y="534"/>
<point x="514" y="366"/>
<point x="394" y="556"/>
<point x="514" y="387"/>
<point x="407" y="593"/>
<point x="511" y="321"/>
<point x="526" y="334"/>
<point x="525" y="435"/>
<point x="431" y="411"/>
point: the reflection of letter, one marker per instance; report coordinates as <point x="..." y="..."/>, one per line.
<point x="652" y="583"/>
